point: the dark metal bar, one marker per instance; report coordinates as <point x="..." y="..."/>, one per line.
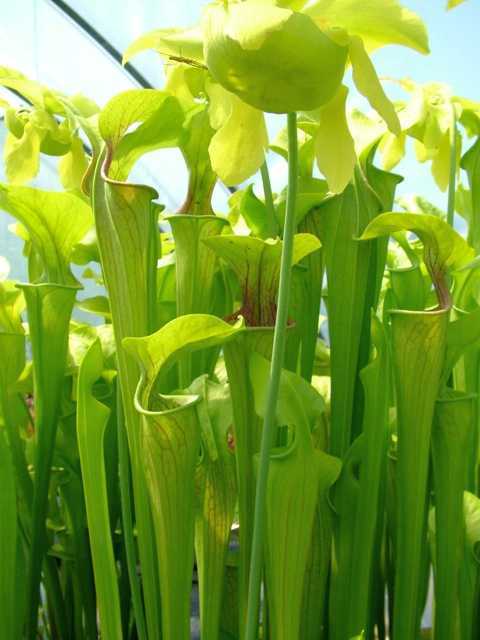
<point x="102" y="42"/>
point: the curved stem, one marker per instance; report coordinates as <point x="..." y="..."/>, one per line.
<point x="268" y="194"/>
<point x="279" y="339"/>
<point x="453" y="169"/>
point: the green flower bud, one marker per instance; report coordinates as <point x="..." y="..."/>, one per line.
<point x="274" y="59"/>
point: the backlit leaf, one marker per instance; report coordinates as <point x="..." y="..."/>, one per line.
<point x="444" y="247"/>
<point x="334" y="147"/>
<point x="21" y="155"/>
<point x="55" y="222"/>
<point x="180" y="43"/>
<point x="377" y="22"/>
<point x="92" y="418"/>
<point x="256" y="264"/>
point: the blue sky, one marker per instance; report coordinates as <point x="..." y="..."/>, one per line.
<point x="38" y="41"/>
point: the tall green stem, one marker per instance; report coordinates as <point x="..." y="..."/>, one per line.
<point x="274" y="382"/>
<point x="268" y="195"/>
<point x="453" y="169"/>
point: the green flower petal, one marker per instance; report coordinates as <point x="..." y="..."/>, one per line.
<point x="377" y="22"/>
<point x="274" y="59"/>
<point x="334" y="146"/>
<point x="237" y="149"/>
<point x="367" y="82"/>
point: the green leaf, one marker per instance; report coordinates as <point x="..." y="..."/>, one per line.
<point x="311" y="192"/>
<point x="392" y="149"/>
<point x="8" y="543"/>
<point x="17" y="483"/>
<point x="21" y="155"/>
<point x="418" y="345"/>
<point x="92" y="418"/>
<point x="471" y="164"/>
<point x="55" y="222"/>
<point x="470" y="116"/>
<point x="73" y="166"/>
<point x="441" y="163"/>
<point x="315" y="594"/>
<point x="170" y="441"/>
<point x="377" y="22"/>
<point x="470" y="567"/>
<point x="367" y="82"/>
<point x="194" y="145"/>
<point x="354" y="273"/>
<point x="98" y="305"/>
<point x="463" y="333"/>
<point x="344" y="495"/>
<point x="81" y="338"/>
<point x="84" y="105"/>
<point x="307" y="313"/>
<point x="256" y="264"/>
<point x="451" y="440"/>
<point x="216" y="499"/>
<point x="86" y="250"/>
<point x="160" y="130"/>
<point x="429" y="118"/>
<point x="12" y="305"/>
<point x="334" y="147"/>
<point x="447" y="247"/>
<point x="254" y="212"/>
<point x="444" y="248"/>
<point x="159" y="118"/>
<point x="127" y="109"/>
<point x="49" y="307"/>
<point x="195" y="263"/>
<point x="366" y="130"/>
<point x="461" y="360"/>
<point x="410" y="287"/>
<point x="237" y="149"/>
<point x="159" y="351"/>
<point x="33" y="91"/>
<point x="127" y="245"/>
<point x="247" y="427"/>
<point x="375" y="379"/>
<point x="274" y="59"/>
<point x="305" y="146"/>
<point x="297" y="474"/>
<point x="187" y="84"/>
<point x="71" y="494"/>
<point x="179" y="44"/>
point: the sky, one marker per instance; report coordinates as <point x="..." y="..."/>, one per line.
<point x="38" y="40"/>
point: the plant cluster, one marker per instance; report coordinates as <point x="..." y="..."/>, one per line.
<point x="278" y="403"/>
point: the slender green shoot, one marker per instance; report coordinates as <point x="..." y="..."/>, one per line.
<point x="279" y="340"/>
<point x="268" y="195"/>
